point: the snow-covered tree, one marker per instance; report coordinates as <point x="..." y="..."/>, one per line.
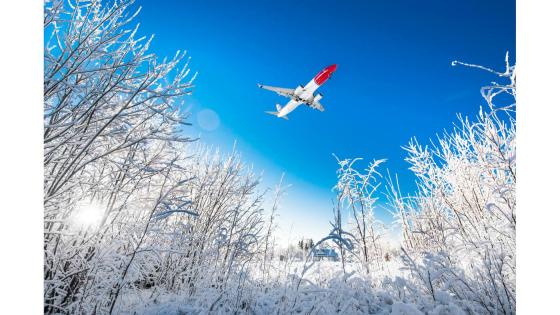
<point x="462" y="220"/>
<point x="130" y="204"/>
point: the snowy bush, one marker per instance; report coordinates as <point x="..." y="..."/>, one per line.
<point x="460" y="226"/>
<point x="356" y="196"/>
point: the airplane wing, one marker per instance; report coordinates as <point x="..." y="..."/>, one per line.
<point x="281" y="91"/>
<point x="316" y="105"/>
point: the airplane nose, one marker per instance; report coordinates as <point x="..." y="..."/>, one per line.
<point x="324" y="75"/>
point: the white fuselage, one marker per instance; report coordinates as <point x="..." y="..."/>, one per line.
<point x="305" y="94"/>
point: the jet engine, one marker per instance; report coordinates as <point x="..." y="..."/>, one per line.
<point x="317" y="97"/>
<point x="298" y="90"/>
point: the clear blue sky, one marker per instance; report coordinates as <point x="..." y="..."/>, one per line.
<point x="394" y="81"/>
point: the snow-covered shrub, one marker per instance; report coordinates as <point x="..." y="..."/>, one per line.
<point x="459" y="228"/>
<point x="355" y="191"/>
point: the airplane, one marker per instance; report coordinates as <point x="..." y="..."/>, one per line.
<point x="301" y="94"/>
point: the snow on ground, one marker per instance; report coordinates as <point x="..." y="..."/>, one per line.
<point x="323" y="290"/>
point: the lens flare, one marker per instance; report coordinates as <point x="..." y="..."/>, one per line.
<point x="88" y="215"/>
<point x="208" y="120"/>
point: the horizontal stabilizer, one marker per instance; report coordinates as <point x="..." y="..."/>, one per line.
<point x="276" y="114"/>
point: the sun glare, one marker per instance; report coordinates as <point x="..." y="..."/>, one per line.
<point x="88" y="215"/>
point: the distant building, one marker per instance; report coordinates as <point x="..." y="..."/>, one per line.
<point x="324" y="253"/>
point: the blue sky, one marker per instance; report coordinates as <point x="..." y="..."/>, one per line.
<point x="394" y="81"/>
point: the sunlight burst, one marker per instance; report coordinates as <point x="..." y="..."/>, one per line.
<point x="88" y="215"/>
